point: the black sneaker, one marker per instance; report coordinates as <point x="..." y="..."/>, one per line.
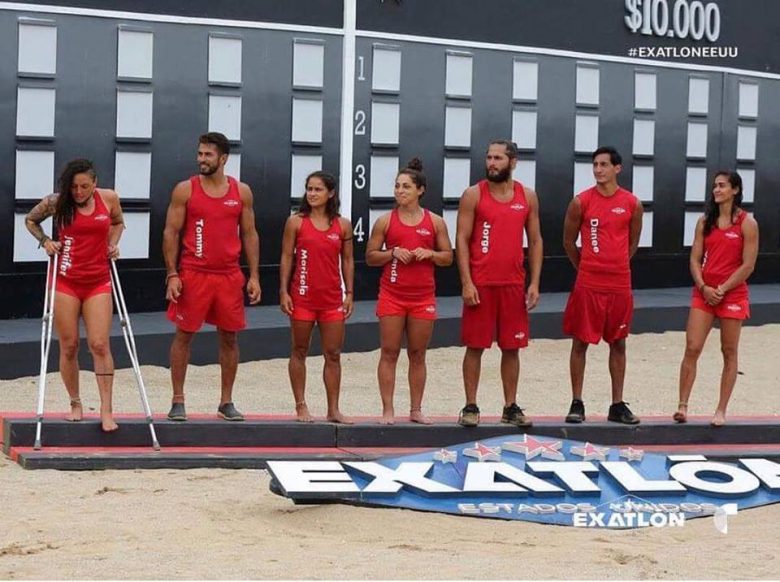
<point x="619" y="412"/>
<point x="469" y="416"/>
<point x="229" y="412"/>
<point x="177" y="412"/>
<point x="513" y="414"/>
<point x="576" y="412"/>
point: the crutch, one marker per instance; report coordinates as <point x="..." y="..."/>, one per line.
<point x="127" y="332"/>
<point x="47" y="322"/>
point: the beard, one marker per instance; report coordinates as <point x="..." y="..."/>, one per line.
<point x="499" y="176"/>
<point x="206" y="170"/>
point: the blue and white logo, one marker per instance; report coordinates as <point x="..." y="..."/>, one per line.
<point x="539" y="479"/>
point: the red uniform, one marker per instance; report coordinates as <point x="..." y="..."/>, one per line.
<point x="601" y="304"/>
<point x="212" y="282"/>
<point x="83" y="262"/>
<point x="408" y="289"/>
<point x="722" y="256"/>
<point x="316" y="283"/>
<point x="496" y="264"/>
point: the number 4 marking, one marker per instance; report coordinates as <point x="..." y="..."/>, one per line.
<point x="358" y="233"/>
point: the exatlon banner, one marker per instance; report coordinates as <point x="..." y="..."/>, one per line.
<point x="543" y="480"/>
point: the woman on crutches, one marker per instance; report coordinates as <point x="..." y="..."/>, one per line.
<point x="89" y="224"/>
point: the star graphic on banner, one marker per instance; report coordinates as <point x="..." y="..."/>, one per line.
<point x="590" y="452"/>
<point x="483" y="453"/>
<point x="444" y="456"/>
<point x="531" y="447"/>
<point x="631" y="454"/>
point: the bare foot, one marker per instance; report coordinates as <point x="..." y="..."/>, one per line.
<point x="416" y="415"/>
<point x="302" y="411"/>
<point x="107" y="423"/>
<point x="388" y="417"/>
<point x="719" y="419"/>
<point x="681" y="416"/>
<point x="339" y="418"/>
<point x="76" y="411"/>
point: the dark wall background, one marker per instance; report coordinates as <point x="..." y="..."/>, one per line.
<point x="592" y="26"/>
<point x="86" y="104"/>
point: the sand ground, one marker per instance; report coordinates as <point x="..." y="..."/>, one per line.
<point x="226" y="524"/>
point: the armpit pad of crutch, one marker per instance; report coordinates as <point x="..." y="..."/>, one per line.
<point x="127" y="333"/>
<point x="47" y="323"/>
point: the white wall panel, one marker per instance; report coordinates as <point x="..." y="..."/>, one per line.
<point x="645" y="91"/>
<point x="135" y="54"/>
<point x="302" y="166"/>
<point x="524" y="128"/>
<point x="386" y="70"/>
<point x="748" y="100"/>
<point x="646" y="238"/>
<point x="35" y="112"/>
<point x="134" y="243"/>
<point x="746" y="142"/>
<point x="133" y="174"/>
<point x="308" y="64"/>
<point x="644" y="137"/>
<point x="586" y="133"/>
<point x="225" y="60"/>
<point x="307" y="121"/>
<point x="384" y="169"/>
<point x="459" y="75"/>
<point x="225" y="115"/>
<point x="698" y="96"/>
<point x="697" y="140"/>
<point x="644" y="179"/>
<point x="25" y="246"/>
<point x="457" y="177"/>
<point x="525" y="80"/>
<point x="385" y="120"/>
<point x="695" y="184"/>
<point x="587" y="85"/>
<point x="34" y="174"/>
<point x="457" y="127"/>
<point x="134" y="114"/>
<point x="37" y="49"/>
<point x="583" y="176"/>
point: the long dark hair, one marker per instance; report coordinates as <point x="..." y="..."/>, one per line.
<point x="332" y="206"/>
<point x="711" y="210"/>
<point x="65" y="208"/>
<point x="414" y="169"/>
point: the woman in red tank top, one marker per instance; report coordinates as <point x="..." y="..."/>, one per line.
<point x="723" y="256"/>
<point x="89" y="224"/>
<point x="319" y="243"/>
<point x="407" y="243"/>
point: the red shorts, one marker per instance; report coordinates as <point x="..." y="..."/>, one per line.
<point x="319" y="315"/>
<point x="726" y="309"/>
<point x="592" y="315"/>
<point x="82" y="291"/>
<point x="216" y="298"/>
<point x="501" y="315"/>
<point x="389" y="305"/>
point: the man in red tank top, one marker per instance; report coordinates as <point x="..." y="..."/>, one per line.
<point x="608" y="220"/>
<point x="202" y="247"/>
<point x="489" y="248"/>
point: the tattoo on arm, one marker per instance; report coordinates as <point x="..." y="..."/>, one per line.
<point x="43" y="210"/>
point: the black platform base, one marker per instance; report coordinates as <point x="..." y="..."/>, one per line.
<point x="205" y="442"/>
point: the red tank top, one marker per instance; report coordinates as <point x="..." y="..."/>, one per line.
<point x="604" y="235"/>
<point x="211" y="242"/>
<point x="84" y="255"/>
<point x="496" y="247"/>
<point x="723" y="255"/>
<point x="316" y="282"/>
<point x="413" y="282"/>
